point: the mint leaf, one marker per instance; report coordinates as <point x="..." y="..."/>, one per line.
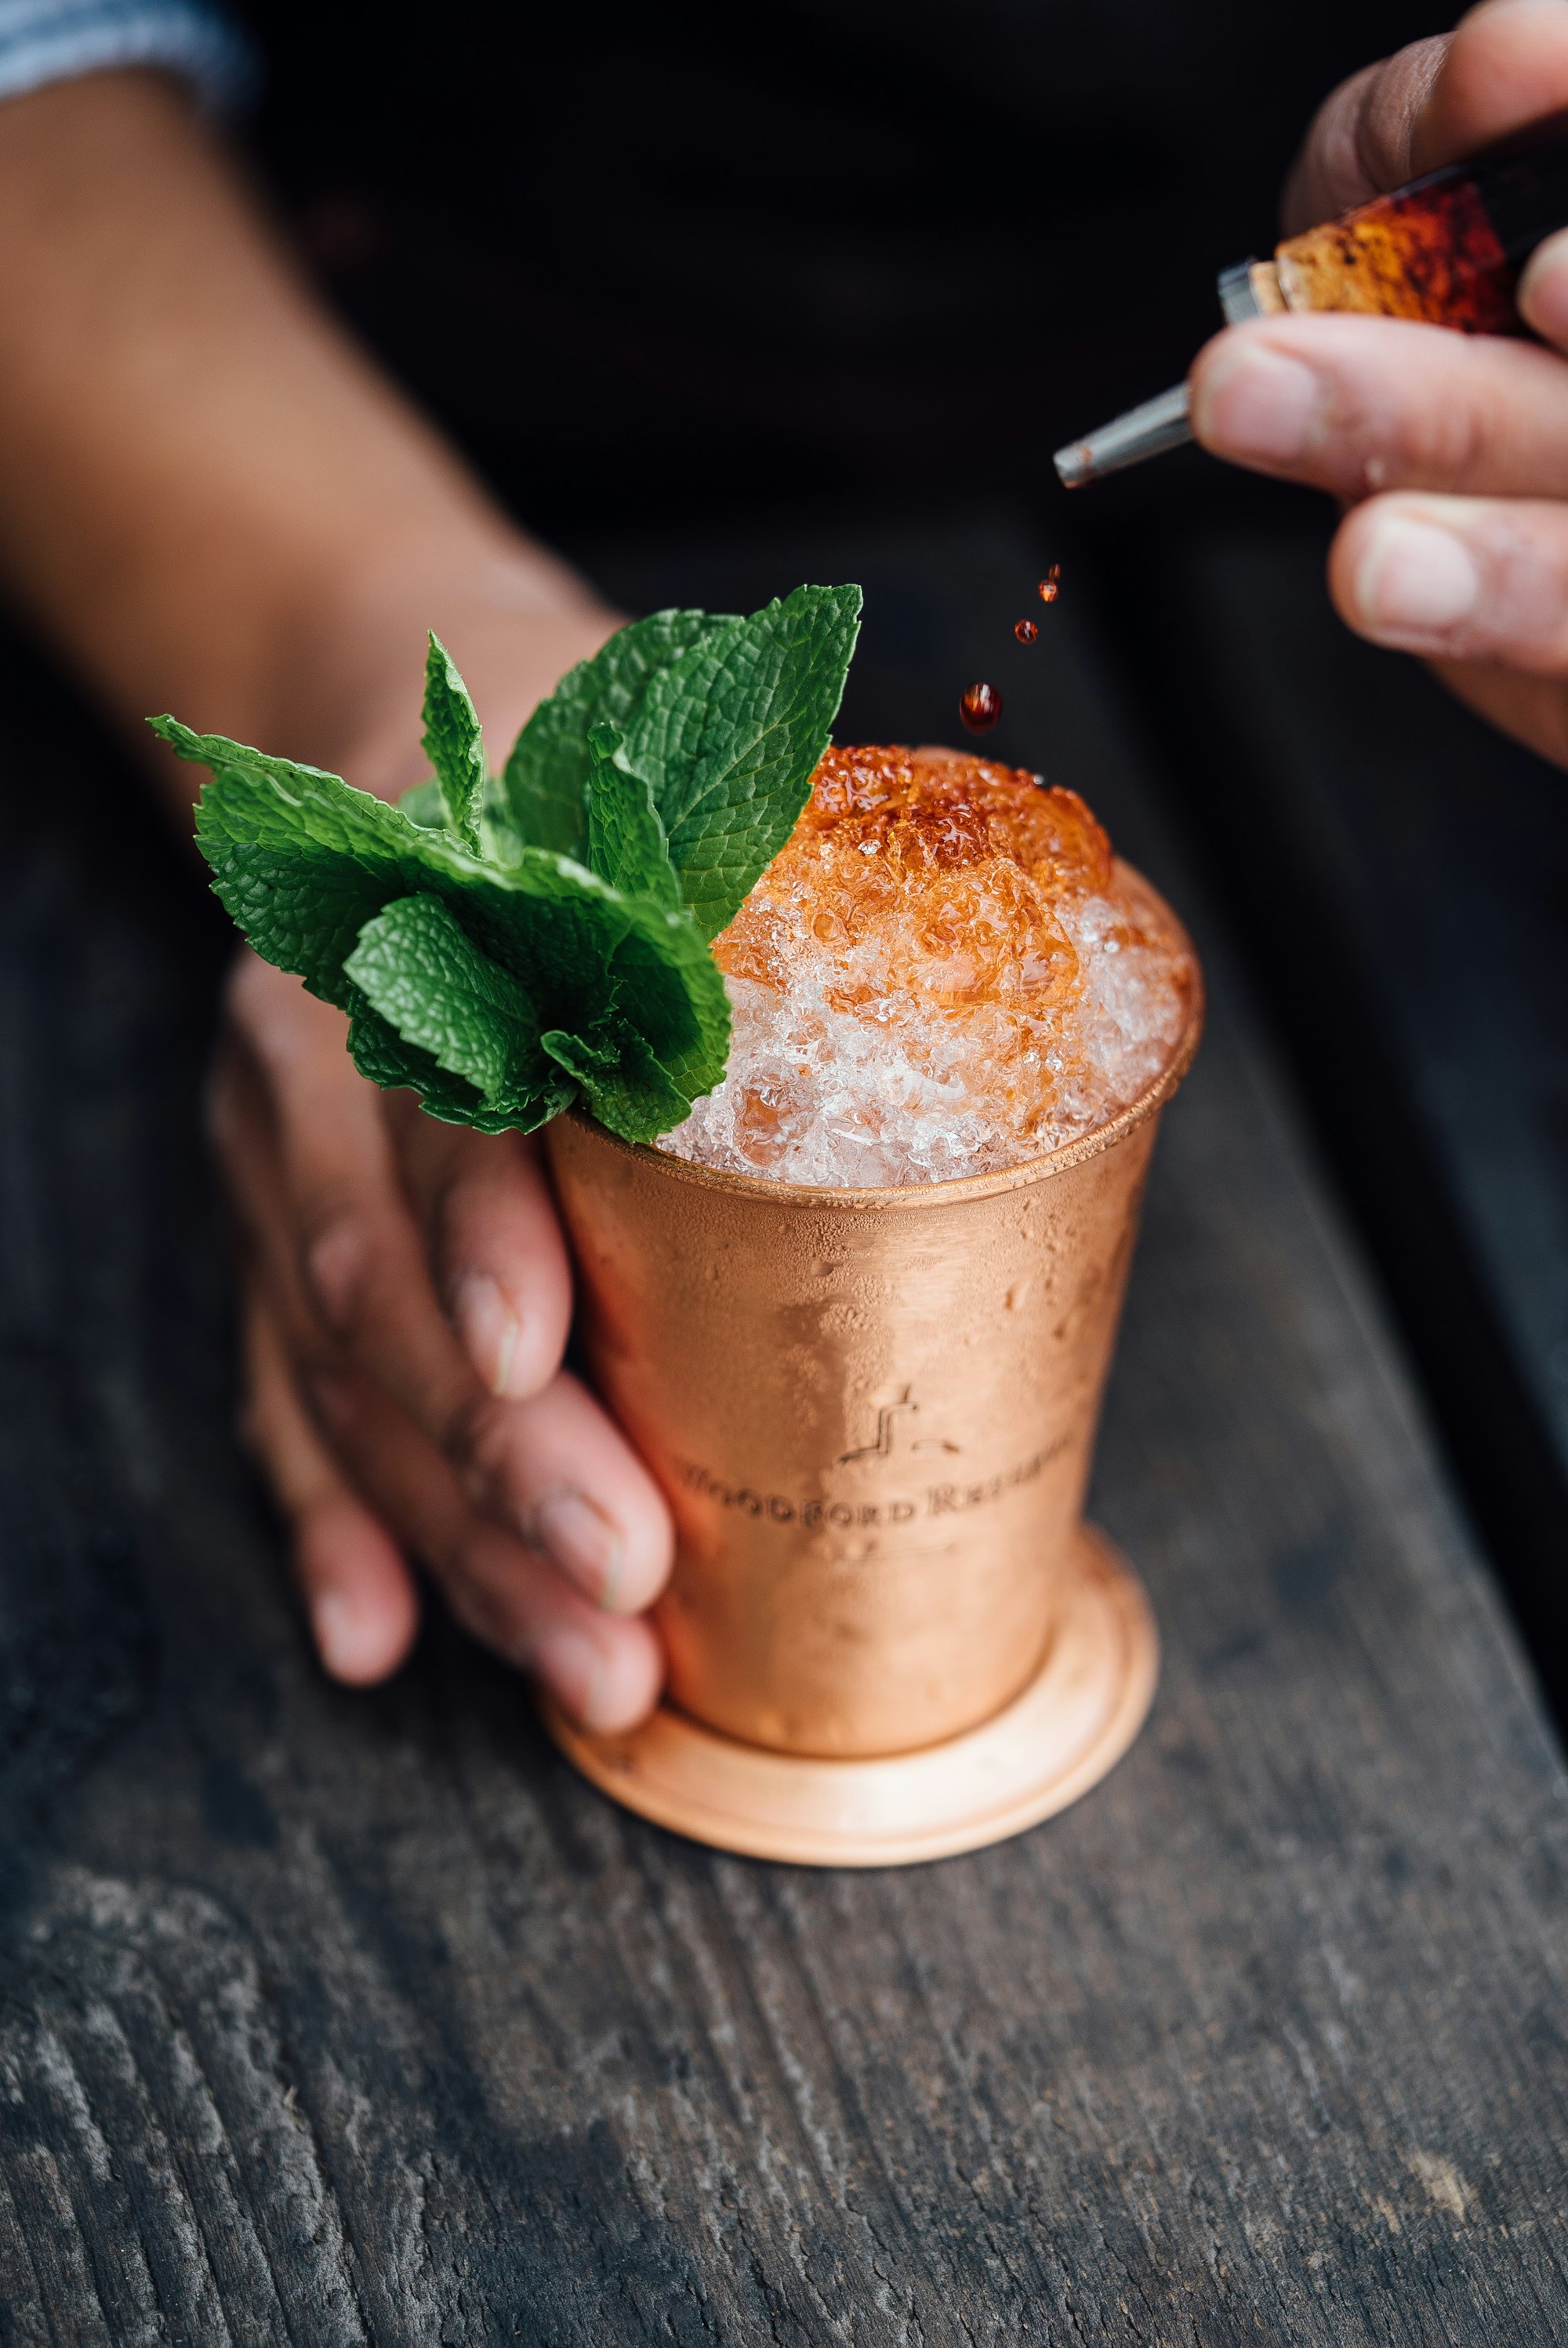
<point x="380" y="1053"/>
<point x="279" y="803"/>
<point x="423" y="804"/>
<point x="670" y="992"/>
<point x="453" y="743"/>
<point x="424" y="807"/>
<point x="626" y="843"/>
<point x="500" y="840"/>
<point x="300" y="859"/>
<point x="302" y="910"/>
<point x="421" y="973"/>
<point x="622" y="1081"/>
<point x="545" y="777"/>
<point x="303" y="863"/>
<point x="501" y="944"/>
<point x="728" y="735"/>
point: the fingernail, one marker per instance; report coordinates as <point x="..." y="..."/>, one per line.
<point x="335" y="1265"/>
<point x="489" y="1328"/>
<point x="1256" y="404"/>
<point x="583" y="1543"/>
<point x="349" y="1645"/>
<point x="570" y="1667"/>
<point x="1542" y="293"/>
<point x="1414" y="582"/>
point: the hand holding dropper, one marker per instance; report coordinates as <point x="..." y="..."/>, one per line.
<point x="1452" y="446"/>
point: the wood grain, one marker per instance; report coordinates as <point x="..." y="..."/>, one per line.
<point x="332" y="2018"/>
<point x="1419" y="877"/>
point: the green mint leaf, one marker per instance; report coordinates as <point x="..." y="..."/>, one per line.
<point x="279" y="803"/>
<point x="501" y="842"/>
<point x="302" y="863"/>
<point x="303" y="912"/>
<point x="423" y="804"/>
<point x="502" y="945"/>
<point x="623" y="1084"/>
<point x="453" y="743"/>
<point x="418" y="969"/>
<point x="380" y="1053"/>
<point x="728" y="737"/>
<point x="545" y="777"/>
<point x="665" y="983"/>
<point x="626" y="843"/>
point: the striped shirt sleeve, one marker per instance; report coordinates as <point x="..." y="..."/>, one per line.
<point x="51" y="40"/>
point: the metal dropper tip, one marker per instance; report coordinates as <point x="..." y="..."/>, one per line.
<point x="1143" y="432"/>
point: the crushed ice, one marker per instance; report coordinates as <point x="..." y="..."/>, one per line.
<point x="944" y="972"/>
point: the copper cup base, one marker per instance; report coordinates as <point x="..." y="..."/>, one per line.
<point x="1070" y="1726"/>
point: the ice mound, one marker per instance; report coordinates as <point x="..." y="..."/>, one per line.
<point x="943" y="972"/>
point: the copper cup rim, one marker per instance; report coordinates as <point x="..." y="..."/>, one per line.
<point x="822" y="1197"/>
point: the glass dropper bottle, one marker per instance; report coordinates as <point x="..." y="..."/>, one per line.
<point x="1447" y="247"/>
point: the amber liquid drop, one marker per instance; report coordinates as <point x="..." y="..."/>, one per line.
<point x="1026" y="631"/>
<point x="980" y="708"/>
<point x="1051" y="586"/>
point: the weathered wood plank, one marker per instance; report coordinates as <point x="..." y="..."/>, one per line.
<point x="339" y="2018"/>
<point x="1416" y="864"/>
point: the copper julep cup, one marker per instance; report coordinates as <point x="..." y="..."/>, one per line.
<point x="890" y="1634"/>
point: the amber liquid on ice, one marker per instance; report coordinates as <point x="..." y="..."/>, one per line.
<point x="943" y="972"/>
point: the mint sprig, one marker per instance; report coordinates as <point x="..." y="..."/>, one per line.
<point x="507" y="944"/>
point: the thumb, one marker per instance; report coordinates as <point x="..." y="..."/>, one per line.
<point x="1506" y="67"/>
<point x="1435" y="102"/>
<point x="1360" y="141"/>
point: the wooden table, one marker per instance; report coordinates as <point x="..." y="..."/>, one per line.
<point x="335" y="2018"/>
<point x="1416" y="900"/>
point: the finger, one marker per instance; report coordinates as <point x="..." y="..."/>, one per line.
<point x="1434" y="102"/>
<point x="332" y="1185"/>
<point x="581" y="1493"/>
<point x="1506" y="65"/>
<point x="553" y="1469"/>
<point x="1532" y="709"/>
<point x="310" y="1168"/>
<point x="1457" y="578"/>
<point x="1358" y="145"/>
<point x="606" y="1670"/>
<point x="343" y="1258"/>
<point x="358" y="1590"/>
<point x="494" y="1243"/>
<point x="1350" y="405"/>
<point x="1542" y="290"/>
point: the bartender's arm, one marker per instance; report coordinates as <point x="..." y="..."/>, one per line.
<point x="214" y="504"/>
<point x="1452" y="450"/>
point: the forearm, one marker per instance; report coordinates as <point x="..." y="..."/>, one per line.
<point x="207" y="497"/>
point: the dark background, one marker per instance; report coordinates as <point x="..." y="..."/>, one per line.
<point x="646" y="261"/>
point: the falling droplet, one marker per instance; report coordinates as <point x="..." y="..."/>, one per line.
<point x="980" y="708"/>
<point x="1051" y="586"/>
<point x="1026" y="631"/>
